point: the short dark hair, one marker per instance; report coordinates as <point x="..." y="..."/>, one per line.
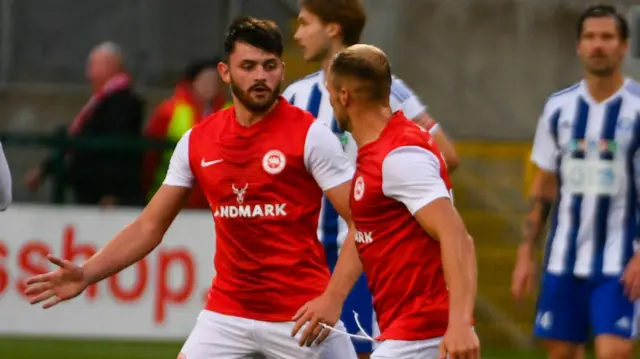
<point x="196" y="67"/>
<point x="600" y="11"/>
<point x="370" y="68"/>
<point x="349" y="14"/>
<point x="263" y="34"/>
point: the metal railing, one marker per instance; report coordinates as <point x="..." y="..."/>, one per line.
<point x="60" y="144"/>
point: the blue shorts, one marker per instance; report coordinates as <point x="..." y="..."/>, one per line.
<point x="570" y="308"/>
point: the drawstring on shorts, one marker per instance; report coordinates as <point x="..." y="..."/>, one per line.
<point x="364" y="336"/>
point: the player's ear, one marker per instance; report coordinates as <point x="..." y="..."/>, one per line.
<point x="283" y="70"/>
<point x="625" y="46"/>
<point x="332" y="29"/>
<point x="223" y="70"/>
<point x="344" y="97"/>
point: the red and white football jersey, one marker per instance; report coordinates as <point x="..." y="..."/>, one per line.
<point x="397" y="175"/>
<point x="264" y="184"/>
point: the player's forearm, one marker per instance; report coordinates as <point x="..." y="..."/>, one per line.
<point x="348" y="270"/>
<point x="448" y="150"/>
<point x="460" y="269"/>
<point x="535" y="220"/>
<point x="445" y="144"/>
<point x="132" y="244"/>
<point x="541" y="199"/>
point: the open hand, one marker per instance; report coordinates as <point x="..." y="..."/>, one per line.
<point x="54" y="287"/>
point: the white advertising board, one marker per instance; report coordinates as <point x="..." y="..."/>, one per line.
<point x="157" y="298"/>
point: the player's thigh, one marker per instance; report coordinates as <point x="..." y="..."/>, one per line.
<point x="613" y="347"/>
<point x="217" y="336"/>
<point x="562" y="315"/>
<point x="614" y="319"/>
<point x="277" y="343"/>
<point x="399" y="349"/>
<point x="360" y="301"/>
<point x="564" y="350"/>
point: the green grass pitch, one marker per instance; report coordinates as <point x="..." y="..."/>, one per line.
<point x="41" y="348"/>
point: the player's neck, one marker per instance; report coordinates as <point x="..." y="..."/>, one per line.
<point x="369" y="123"/>
<point x="601" y="88"/>
<point x="334" y="49"/>
<point x="246" y="118"/>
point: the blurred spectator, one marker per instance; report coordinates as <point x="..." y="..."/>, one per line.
<point x="5" y="182"/>
<point x="96" y="176"/>
<point x="199" y="93"/>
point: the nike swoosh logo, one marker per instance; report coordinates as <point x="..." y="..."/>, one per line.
<point x="209" y="163"/>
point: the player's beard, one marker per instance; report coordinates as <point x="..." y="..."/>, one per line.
<point x="601" y="70"/>
<point x="257" y="106"/>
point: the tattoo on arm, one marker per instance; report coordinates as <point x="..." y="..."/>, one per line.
<point x="537" y="214"/>
<point x="542" y="204"/>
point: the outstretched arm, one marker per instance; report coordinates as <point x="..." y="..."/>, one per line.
<point x="140" y="237"/>
<point x="145" y="233"/>
<point x="130" y="245"/>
